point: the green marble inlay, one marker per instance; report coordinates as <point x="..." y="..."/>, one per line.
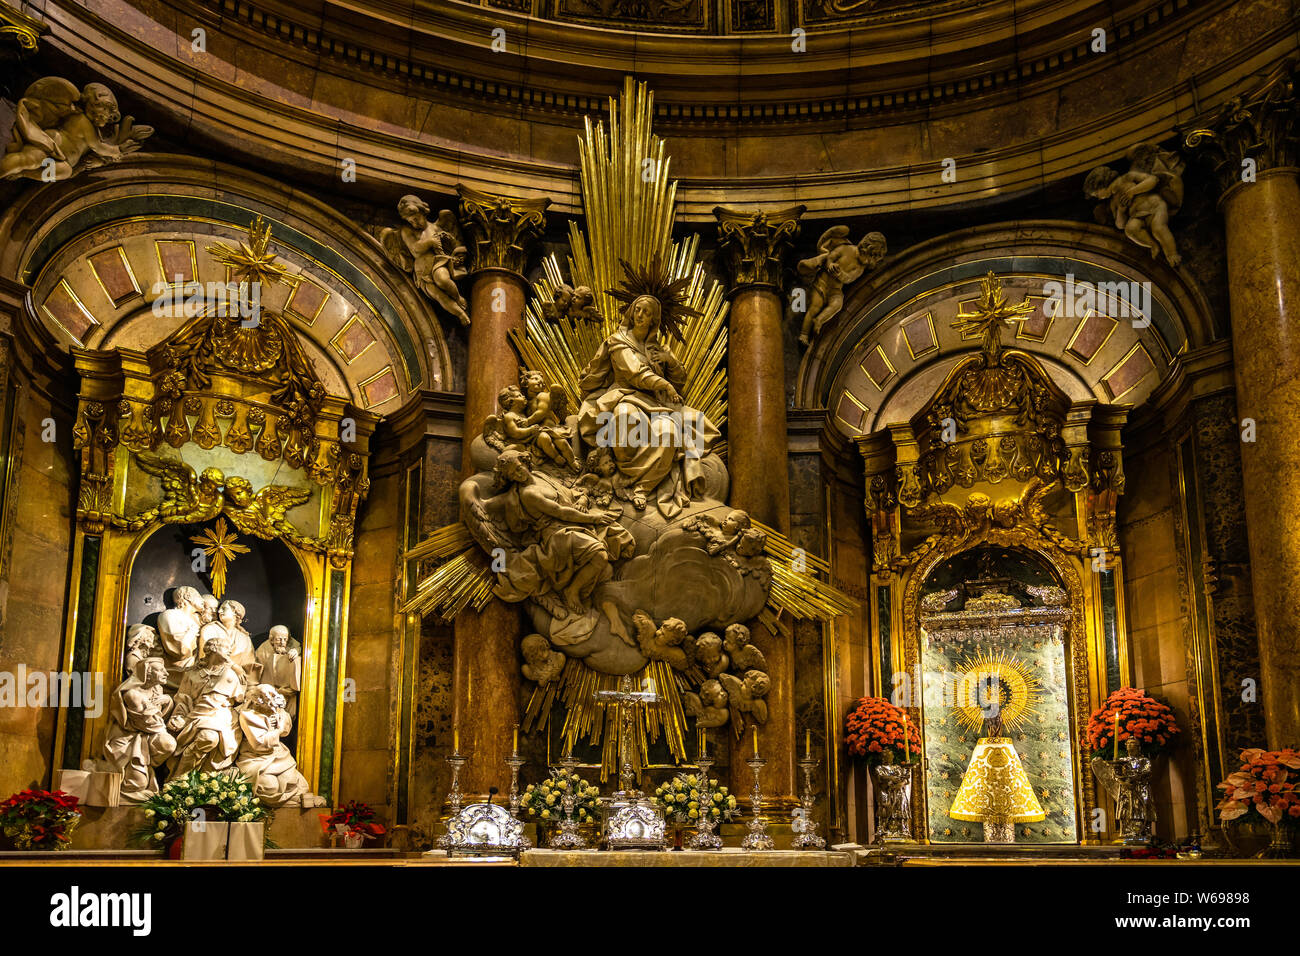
<point x="81" y="639"/>
<point x="1110" y="628"/>
<point x="886" y="650"/>
<point x="329" y="710"/>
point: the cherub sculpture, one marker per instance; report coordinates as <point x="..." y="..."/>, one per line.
<point x="510" y="428"/>
<point x="263" y="757"/>
<point x="1141" y="201"/>
<point x="187" y="498"/>
<point x="746" y="696"/>
<point x="547" y="409"/>
<point x="59" y="131"/>
<point x="719" y="536"/>
<point x="838" y="263"/>
<point x="541" y="664"/>
<point x="711" y="659"/>
<point x="601" y="482"/>
<point x="664" y="643"/>
<point x="744" y="655"/>
<point x="137" y="739"/>
<point x="709" y="706"/>
<point x="262" y="513"/>
<point x="431" y="250"/>
<point x="576" y="304"/>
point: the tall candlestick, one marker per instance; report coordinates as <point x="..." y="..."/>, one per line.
<point x="1115" y="735"/>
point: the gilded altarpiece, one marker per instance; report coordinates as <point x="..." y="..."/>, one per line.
<point x="221" y="433"/>
<point x="994" y="502"/>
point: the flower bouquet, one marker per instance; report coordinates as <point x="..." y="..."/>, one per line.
<point x="354" y="822"/>
<point x="879" y="732"/>
<point x="1265" y="790"/>
<point x="209" y="802"/>
<point x="545" y="801"/>
<point x="40" y="819"/>
<point x="1151" y="722"/>
<point x="680" y="799"/>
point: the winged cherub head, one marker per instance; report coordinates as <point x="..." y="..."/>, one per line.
<point x="211" y="480"/>
<point x="240" y="491"/>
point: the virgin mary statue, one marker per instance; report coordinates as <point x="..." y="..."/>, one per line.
<point x="632" y="405"/>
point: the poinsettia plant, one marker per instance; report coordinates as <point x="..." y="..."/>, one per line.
<point x="40" y="819"/>
<point x="1143" y="717"/>
<point x="680" y="797"/>
<point x="545" y="801"/>
<point x="875" y="727"/>
<point x="1267" y="786"/>
<point x="356" y="817"/>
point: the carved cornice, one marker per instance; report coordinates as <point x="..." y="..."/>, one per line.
<point x="501" y="229"/>
<point x="754" y="244"/>
<point x="1253" y="132"/>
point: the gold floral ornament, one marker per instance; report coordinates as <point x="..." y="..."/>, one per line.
<point x="253" y="261"/>
<point x="220" y="546"/>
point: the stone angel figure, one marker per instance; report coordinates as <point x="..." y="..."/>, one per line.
<point x="744" y="655"/>
<point x="664" y="643"/>
<point x="709" y="706"/>
<point x="1141" y="200"/>
<point x="60" y="130"/>
<point x="575" y="304"/>
<point x="262" y="514"/>
<point x="532" y="418"/>
<point x="432" y="251"/>
<point x="187" y="498"/>
<point x="541" y="664"/>
<point x="839" y="262"/>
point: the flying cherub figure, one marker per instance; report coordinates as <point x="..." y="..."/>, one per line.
<point x="838" y="263"/>
<point x="187" y="498"/>
<point x="541" y="664"/>
<point x="262" y="514"/>
<point x="744" y="655"/>
<point x="510" y="427"/>
<point x="577" y="305"/>
<point x="548" y="408"/>
<point x="746" y="697"/>
<point x="1141" y="200"/>
<point x="58" y="132"/>
<point x="709" y="706"/>
<point x="431" y="250"/>
<point x="663" y="643"/>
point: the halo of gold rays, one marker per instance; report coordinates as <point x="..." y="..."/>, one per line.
<point x="627" y="251"/>
<point x="991" y="310"/>
<point x="220" y="547"/>
<point x="1019" y="691"/>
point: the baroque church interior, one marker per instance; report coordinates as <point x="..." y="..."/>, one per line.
<point x="791" y="432"/>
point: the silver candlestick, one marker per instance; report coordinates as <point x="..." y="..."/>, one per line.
<point x="807" y="839"/>
<point x="568" y="837"/>
<point x="757" y="838"/>
<point x="705" y="838"/>
<point x="514" y="762"/>
<point x="456" y="761"/>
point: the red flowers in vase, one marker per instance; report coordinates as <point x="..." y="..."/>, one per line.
<point x="1151" y="722"/>
<point x="40" y="819"/>
<point x="874" y="727"/>
<point x="356" y="817"/>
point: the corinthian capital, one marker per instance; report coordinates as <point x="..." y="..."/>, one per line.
<point x="754" y="244"/>
<point x="1254" y="131"/>
<point x="500" y="229"/>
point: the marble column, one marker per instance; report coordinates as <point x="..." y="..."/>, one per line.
<point x="485" y="666"/>
<point x="1252" y="147"/>
<point x="753" y="246"/>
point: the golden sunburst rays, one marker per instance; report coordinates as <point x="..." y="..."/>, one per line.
<point x="1017" y="690"/>
<point x="462" y="579"/>
<point x="252" y="261"/>
<point x="220" y="547"/>
<point x="796" y="587"/>
<point x="991" y="310"/>
<point x="628" y="200"/>
<point x="587" y="719"/>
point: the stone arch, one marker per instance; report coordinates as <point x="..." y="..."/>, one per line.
<point x="98" y="251"/>
<point x="892" y="344"/>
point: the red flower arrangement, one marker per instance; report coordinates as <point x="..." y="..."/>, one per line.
<point x="40" y="819"/>
<point x="357" y="817"/>
<point x="1140" y="715"/>
<point x="875" y="727"/>
<point x="1268" y="784"/>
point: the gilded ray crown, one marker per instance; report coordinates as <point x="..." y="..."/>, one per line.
<point x="656" y="281"/>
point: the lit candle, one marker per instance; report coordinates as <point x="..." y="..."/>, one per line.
<point x="704" y="741"/>
<point x="807" y="743"/>
<point x="516" y="738"/>
<point x="455" y="740"/>
<point x="1115" y="735"/>
<point x="755" y="740"/>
